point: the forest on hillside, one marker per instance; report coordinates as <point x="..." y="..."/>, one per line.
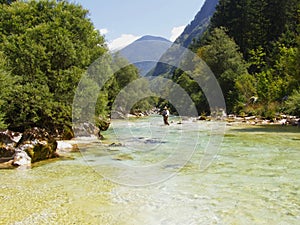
<point x="252" y="47"/>
<point x="46" y="46"/>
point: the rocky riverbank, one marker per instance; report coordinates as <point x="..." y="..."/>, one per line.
<point x="283" y="120"/>
<point x="36" y="144"/>
<point x="33" y="145"/>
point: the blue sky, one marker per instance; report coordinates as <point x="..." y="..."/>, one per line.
<point x="122" y="22"/>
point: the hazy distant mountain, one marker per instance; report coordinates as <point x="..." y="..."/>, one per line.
<point x="193" y="31"/>
<point x="145" y="52"/>
<point x="152" y="38"/>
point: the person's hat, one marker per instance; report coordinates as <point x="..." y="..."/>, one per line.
<point x="165" y="107"/>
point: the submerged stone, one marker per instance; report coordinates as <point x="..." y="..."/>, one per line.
<point x="122" y="157"/>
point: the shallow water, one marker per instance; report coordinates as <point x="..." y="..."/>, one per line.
<point x="155" y="177"/>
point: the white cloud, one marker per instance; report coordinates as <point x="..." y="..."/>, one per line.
<point x="176" y="31"/>
<point x="122" y="41"/>
<point x="103" y="31"/>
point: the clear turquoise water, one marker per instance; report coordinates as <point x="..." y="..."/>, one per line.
<point x="253" y="179"/>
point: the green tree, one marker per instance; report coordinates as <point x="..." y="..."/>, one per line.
<point x="293" y="103"/>
<point x="192" y="88"/>
<point x="7" y="83"/>
<point x="124" y="74"/>
<point x="48" y="44"/>
<point x="242" y="18"/>
<point x="253" y="24"/>
<point x="222" y="55"/>
<point x="267" y="32"/>
<point x="247" y="93"/>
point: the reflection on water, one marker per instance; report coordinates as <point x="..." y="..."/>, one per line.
<point x="254" y="179"/>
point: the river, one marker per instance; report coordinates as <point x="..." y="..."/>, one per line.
<point x="252" y="176"/>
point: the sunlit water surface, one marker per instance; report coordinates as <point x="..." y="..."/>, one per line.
<point x="254" y="178"/>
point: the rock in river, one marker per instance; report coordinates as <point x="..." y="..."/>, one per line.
<point x="38" y="144"/>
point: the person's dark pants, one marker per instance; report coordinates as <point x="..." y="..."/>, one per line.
<point x="166" y="120"/>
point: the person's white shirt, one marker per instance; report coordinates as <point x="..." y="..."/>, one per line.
<point x="167" y="112"/>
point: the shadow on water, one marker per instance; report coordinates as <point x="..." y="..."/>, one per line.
<point x="268" y="128"/>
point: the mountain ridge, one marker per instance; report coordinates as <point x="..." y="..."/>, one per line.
<point x="145" y="52"/>
<point x="191" y="32"/>
<point x="198" y="25"/>
<point x="151" y="38"/>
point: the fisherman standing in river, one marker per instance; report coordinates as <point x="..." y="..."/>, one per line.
<point x="165" y="114"/>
